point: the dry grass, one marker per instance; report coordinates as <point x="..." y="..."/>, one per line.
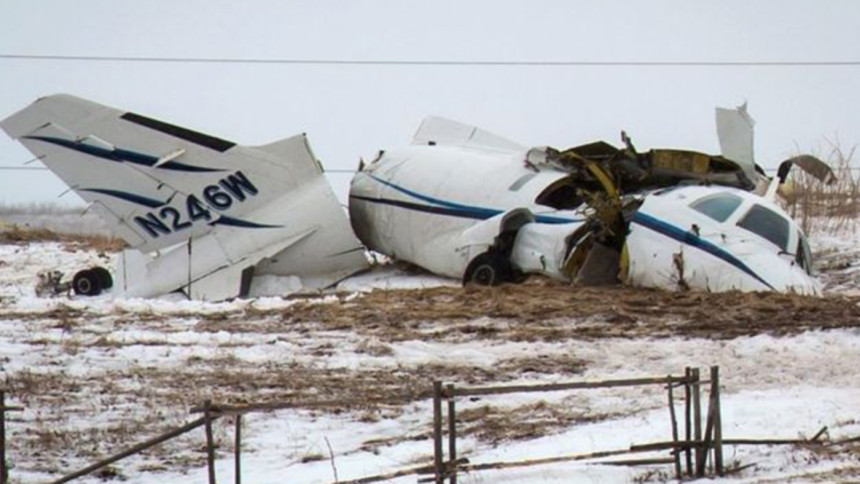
<point x="37" y="208"/>
<point x="16" y="234"/>
<point x="540" y="310"/>
<point x="827" y="208"/>
<point x="497" y="425"/>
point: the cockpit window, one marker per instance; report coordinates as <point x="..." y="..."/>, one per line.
<point x="561" y="195"/>
<point x="719" y="207"/>
<point x="804" y="255"/>
<point x="768" y="224"/>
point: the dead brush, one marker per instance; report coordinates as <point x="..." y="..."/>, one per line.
<point x="15" y="234"/>
<point x="543" y="364"/>
<point x="373" y="347"/>
<point x="496" y="425"/>
<point x="652" y="475"/>
<point x="71" y="346"/>
<point x="831" y="209"/>
<point x="28" y="384"/>
<point x="67" y="318"/>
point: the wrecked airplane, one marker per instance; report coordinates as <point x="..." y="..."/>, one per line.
<point x="467" y="204"/>
<point x="214" y="220"/>
<point x="200" y="214"/>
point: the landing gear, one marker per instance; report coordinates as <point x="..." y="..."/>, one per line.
<point x="104" y="277"/>
<point x="91" y="282"/>
<point x="489" y="269"/>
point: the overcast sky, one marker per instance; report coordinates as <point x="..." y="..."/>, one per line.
<point x="350" y="111"/>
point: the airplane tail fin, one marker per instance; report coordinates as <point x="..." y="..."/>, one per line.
<point x="156" y="184"/>
<point x="211" y="208"/>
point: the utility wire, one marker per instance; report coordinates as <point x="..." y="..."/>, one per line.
<point x="42" y="168"/>
<point x="340" y="171"/>
<point x="437" y="62"/>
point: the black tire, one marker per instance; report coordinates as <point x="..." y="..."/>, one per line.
<point x="104" y="277"/>
<point x="87" y="283"/>
<point x="488" y="270"/>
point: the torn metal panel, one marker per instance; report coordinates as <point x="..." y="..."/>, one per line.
<point x="735" y="129"/>
<point x="543" y="249"/>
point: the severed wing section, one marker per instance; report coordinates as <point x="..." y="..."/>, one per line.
<point x="160" y="186"/>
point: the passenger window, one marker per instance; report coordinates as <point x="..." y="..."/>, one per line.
<point x="521" y="181"/>
<point x="719" y="207"/>
<point x="768" y="224"/>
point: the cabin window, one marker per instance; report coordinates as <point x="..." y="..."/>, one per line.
<point x="768" y="224"/>
<point x="561" y="195"/>
<point x="521" y="181"/>
<point x="719" y="207"/>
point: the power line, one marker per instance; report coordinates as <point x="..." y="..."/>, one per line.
<point x="335" y="171"/>
<point x="42" y="168"/>
<point x="432" y="62"/>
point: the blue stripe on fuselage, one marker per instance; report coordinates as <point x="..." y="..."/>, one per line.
<point x="452" y="208"/>
<point x="686" y="237"/>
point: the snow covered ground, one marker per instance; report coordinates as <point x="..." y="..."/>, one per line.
<point x="100" y="374"/>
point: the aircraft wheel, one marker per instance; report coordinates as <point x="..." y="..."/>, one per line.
<point x="87" y="283"/>
<point x="104" y="277"/>
<point x="488" y="270"/>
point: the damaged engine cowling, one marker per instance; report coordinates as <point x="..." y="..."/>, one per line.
<point x="609" y="181"/>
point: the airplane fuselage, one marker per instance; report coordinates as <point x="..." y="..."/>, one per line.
<point x="441" y="207"/>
